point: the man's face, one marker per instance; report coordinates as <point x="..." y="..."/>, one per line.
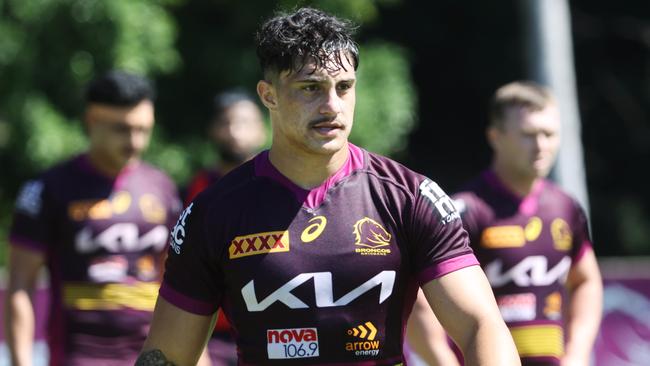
<point x="239" y="131"/>
<point x="529" y="140"/>
<point x="119" y="135"/>
<point x="313" y="109"/>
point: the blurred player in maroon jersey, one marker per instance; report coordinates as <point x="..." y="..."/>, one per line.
<point x="531" y="238"/>
<point x="237" y="131"/>
<point x="315" y="249"/>
<point x="99" y="223"/>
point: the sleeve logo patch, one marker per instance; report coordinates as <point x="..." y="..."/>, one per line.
<point x="292" y="343"/>
<point x="177" y="236"/>
<point x="29" y="199"/>
<point x="442" y="203"/>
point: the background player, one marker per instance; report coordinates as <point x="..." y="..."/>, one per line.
<point x="315" y="248"/>
<point x="237" y="131"/>
<point x="99" y="223"/>
<point x="531" y="238"/>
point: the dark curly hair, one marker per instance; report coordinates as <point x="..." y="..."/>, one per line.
<point x="119" y="88"/>
<point x="287" y="41"/>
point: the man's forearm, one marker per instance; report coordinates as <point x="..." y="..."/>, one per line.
<point x="491" y="344"/>
<point x="583" y="320"/>
<point x="19" y="327"/>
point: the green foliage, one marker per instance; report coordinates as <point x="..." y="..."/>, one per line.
<point x="51" y="137"/>
<point x="49" y="50"/>
<point x="386" y="99"/>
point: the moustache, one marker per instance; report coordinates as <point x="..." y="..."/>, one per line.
<point x="321" y="120"/>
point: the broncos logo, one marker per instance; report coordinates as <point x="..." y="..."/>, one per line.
<point x="369" y="233"/>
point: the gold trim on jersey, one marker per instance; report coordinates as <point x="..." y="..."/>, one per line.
<point x="538" y="340"/>
<point x="112" y="296"/>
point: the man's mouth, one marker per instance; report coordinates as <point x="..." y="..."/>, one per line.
<point x="328" y="126"/>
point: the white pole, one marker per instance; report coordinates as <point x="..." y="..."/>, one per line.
<point x="550" y="62"/>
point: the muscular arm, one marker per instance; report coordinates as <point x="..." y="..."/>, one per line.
<point x="585" y="288"/>
<point x="464" y="304"/>
<point x="427" y="337"/>
<point x="24" y="266"/>
<point x="176" y="337"/>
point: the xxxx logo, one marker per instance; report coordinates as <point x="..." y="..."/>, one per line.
<point x="364" y="331"/>
<point x="260" y="243"/>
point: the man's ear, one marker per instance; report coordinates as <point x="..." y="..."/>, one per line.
<point x="266" y="92"/>
<point x="491" y="135"/>
<point x="86" y="121"/>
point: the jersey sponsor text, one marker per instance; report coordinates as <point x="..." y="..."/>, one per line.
<point x="292" y="343"/>
<point x="323" y="285"/>
<point x="531" y="271"/>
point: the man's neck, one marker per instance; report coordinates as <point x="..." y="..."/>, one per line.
<point x="520" y="185"/>
<point x="102" y="164"/>
<point x="307" y="170"/>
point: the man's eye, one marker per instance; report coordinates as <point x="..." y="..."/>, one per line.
<point x="344" y="86"/>
<point x="310" y="87"/>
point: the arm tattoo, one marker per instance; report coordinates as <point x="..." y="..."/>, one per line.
<point x="153" y="357"/>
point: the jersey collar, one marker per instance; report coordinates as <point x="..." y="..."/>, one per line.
<point x="311" y="198"/>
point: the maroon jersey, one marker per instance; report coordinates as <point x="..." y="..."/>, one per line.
<point x="325" y="276"/>
<point x="200" y="182"/>
<point x="526" y="247"/>
<point x="104" y="241"/>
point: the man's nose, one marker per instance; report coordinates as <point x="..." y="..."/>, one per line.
<point x="137" y="139"/>
<point x="332" y="105"/>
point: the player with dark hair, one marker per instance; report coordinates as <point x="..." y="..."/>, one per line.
<point x="531" y="238"/>
<point x="315" y="248"/>
<point x="237" y="132"/>
<point x="99" y="223"/>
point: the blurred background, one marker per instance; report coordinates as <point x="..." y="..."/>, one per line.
<point x="428" y="69"/>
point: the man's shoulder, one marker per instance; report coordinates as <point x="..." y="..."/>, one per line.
<point x="557" y="195"/>
<point x="235" y="182"/>
<point x="392" y="172"/>
<point x="153" y="171"/>
<point x="61" y="172"/>
<point x="473" y="193"/>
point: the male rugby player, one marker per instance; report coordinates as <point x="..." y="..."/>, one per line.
<point x="237" y="132"/>
<point x="99" y="222"/>
<point x="531" y="237"/>
<point x="315" y="249"/>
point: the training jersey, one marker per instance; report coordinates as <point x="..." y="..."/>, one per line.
<point x="104" y="240"/>
<point x="201" y="181"/>
<point x="526" y="246"/>
<point x="221" y="347"/>
<point x="315" y="277"/>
